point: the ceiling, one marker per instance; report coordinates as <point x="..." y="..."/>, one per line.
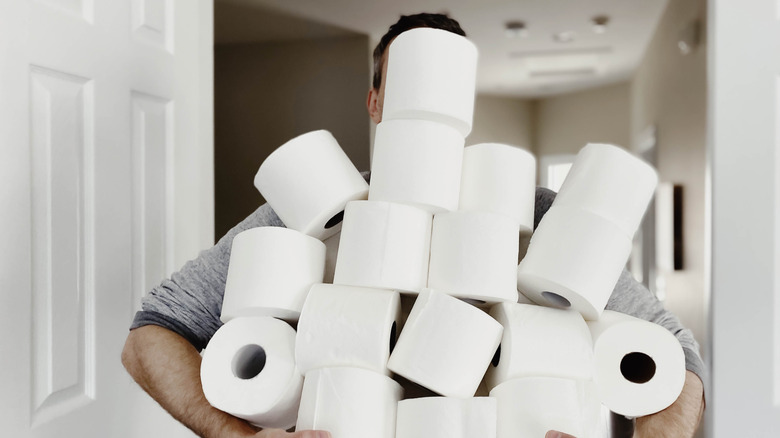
<point x="531" y="66"/>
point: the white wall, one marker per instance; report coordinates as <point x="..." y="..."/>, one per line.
<point x="744" y="158"/>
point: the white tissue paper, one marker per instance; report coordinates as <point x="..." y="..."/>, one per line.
<point x="474" y="256"/>
<point x="248" y="370"/>
<point x="308" y="181"/>
<point x="540" y="342"/>
<point x="347" y="326"/>
<point x="384" y="245"/>
<point x="417" y="162"/>
<point x="271" y="270"/>
<point x="501" y="179"/>
<point x="431" y="75"/>
<point x="529" y="407"/>
<point x="610" y="182"/>
<point x="446" y="345"/>
<point x="574" y="260"/>
<point x="446" y="417"/>
<point x="331" y="254"/>
<point x="349" y="403"/>
<point x="639" y="366"/>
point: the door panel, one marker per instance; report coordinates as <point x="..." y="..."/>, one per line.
<point x="105" y="130"/>
<point x="152" y="191"/>
<point x="62" y="233"/>
<point x="744" y="98"/>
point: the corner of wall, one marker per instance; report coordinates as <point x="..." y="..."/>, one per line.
<point x="533" y="116"/>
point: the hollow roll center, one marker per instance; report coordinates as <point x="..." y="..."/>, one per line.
<point x="497" y="356"/>
<point x="335" y="220"/>
<point x="249" y="361"/>
<point x="393" y="336"/>
<point x="556" y="300"/>
<point x="637" y="367"/>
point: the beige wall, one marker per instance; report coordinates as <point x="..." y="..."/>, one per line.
<point x="565" y="123"/>
<point x="669" y="90"/>
<point x="502" y="120"/>
<point x="268" y="93"/>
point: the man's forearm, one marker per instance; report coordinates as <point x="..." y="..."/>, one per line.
<point x="167" y="367"/>
<point x="679" y="420"/>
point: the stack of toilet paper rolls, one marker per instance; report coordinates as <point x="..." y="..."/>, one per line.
<point x="597" y="211"/>
<point x="440" y="224"/>
<point x="418" y="163"/>
<point x="542" y="375"/>
<point x="576" y="257"/>
<point x="344" y="339"/>
<point x="249" y="368"/>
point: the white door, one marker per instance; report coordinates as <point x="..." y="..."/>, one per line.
<point x="106" y="186"/>
<point x="744" y="120"/>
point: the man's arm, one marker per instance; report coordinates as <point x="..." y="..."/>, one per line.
<point x="177" y="319"/>
<point x="167" y="367"/>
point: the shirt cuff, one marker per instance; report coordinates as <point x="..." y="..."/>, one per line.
<point x="143" y="318"/>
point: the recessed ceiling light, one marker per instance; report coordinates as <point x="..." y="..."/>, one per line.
<point x="600" y="23"/>
<point x="515" y="29"/>
<point x="689" y="37"/>
<point x="566" y="36"/>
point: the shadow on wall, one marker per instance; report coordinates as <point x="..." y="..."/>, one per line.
<point x="267" y="93"/>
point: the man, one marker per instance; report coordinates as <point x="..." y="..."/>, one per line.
<point x="180" y="316"/>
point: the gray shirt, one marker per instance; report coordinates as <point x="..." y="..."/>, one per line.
<point x="190" y="302"/>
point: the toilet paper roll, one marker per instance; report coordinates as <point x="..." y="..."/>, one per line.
<point x="308" y="181"/>
<point x="532" y="406"/>
<point x="349" y="403"/>
<point x="271" y="270"/>
<point x="384" y="245"/>
<point x="574" y="260"/>
<point x="610" y="182"/>
<point x="446" y="345"/>
<point x="347" y="326"/>
<point x="540" y="342"/>
<point x="248" y="370"/>
<point x="639" y="366"/>
<point x="431" y="75"/>
<point x="417" y="162"/>
<point x="474" y="256"/>
<point x="501" y="179"/>
<point x="446" y="417"/>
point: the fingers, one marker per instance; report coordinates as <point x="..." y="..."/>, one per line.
<point x="556" y="434"/>
<point x="311" y="434"/>
<point x="279" y="433"/>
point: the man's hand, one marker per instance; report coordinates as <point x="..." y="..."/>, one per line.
<point x="681" y="419"/>
<point x="556" y="434"/>
<point x="278" y="433"/>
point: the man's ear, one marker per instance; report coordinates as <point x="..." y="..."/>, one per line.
<point x="372" y="104"/>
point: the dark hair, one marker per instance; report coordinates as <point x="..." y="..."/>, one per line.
<point x="406" y="22"/>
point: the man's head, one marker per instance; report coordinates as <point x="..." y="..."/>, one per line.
<point x="377" y="92"/>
